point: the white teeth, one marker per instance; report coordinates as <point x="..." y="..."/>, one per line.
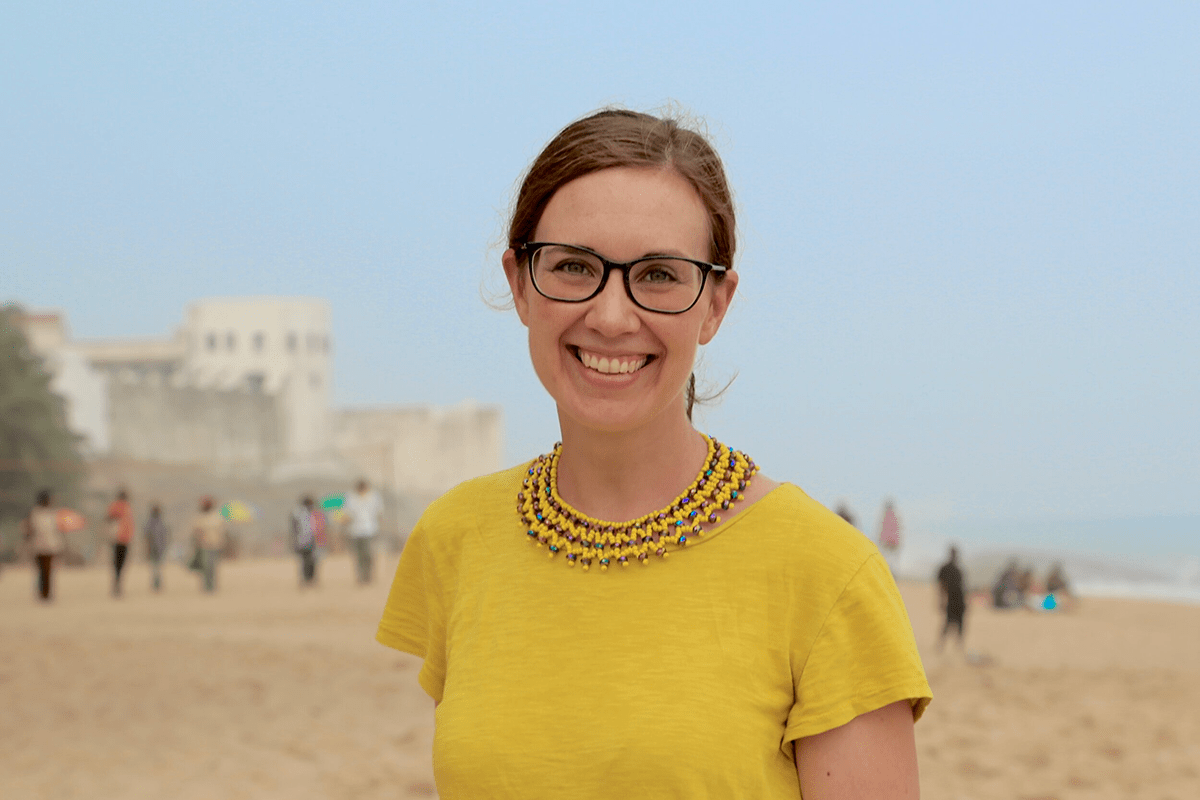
<point x="611" y="366"/>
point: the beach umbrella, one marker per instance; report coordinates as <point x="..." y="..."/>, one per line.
<point x="237" y="511"/>
<point x="333" y="501"/>
<point x="69" y="520"/>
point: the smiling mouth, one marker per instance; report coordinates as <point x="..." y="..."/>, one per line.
<point x="611" y="365"/>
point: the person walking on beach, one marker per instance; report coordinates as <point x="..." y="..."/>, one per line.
<point x="363" y="507"/>
<point x="952" y="592"/>
<point x="120" y="533"/>
<point x="304" y="524"/>
<point x="157" y="538"/>
<point x="42" y="534"/>
<point x="698" y="630"/>
<point x="208" y="535"/>
<point x="889" y="534"/>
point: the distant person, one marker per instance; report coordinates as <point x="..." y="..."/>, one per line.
<point x="364" y="509"/>
<point x="889" y="535"/>
<point x="157" y="539"/>
<point x="844" y="512"/>
<point x="120" y="533"/>
<point x="304" y="539"/>
<point x="1058" y="591"/>
<point x="47" y="542"/>
<point x="208" y="534"/>
<point x="1005" y="592"/>
<point x="953" y="596"/>
<point x="1056" y="581"/>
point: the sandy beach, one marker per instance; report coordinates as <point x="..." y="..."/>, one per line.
<point x="262" y="691"/>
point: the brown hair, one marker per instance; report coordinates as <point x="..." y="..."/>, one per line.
<point x="620" y="138"/>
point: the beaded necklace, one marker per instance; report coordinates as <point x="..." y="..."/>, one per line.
<point x="551" y="522"/>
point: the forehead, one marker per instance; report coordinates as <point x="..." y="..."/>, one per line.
<point x="627" y="212"/>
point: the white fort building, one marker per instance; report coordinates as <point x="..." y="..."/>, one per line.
<point x="243" y="387"/>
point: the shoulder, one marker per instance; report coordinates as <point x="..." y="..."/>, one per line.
<point x="791" y="517"/>
<point x="473" y="503"/>
<point x="806" y="536"/>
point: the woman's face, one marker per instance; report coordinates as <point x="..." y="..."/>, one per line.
<point x="608" y="364"/>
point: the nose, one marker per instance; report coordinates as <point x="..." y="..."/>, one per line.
<point x="612" y="313"/>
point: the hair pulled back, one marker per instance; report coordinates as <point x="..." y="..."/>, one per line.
<point x="621" y="138"/>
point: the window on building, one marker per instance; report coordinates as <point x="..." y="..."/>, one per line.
<point x="211" y="341"/>
<point x="255" y="381"/>
<point x="230" y="341"/>
<point x="291" y="340"/>
<point x="259" y="340"/>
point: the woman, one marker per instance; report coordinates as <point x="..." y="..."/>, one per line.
<point x="120" y="533"/>
<point x="46" y="540"/>
<point x="742" y="641"/>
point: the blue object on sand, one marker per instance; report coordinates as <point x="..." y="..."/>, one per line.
<point x="1049" y="603"/>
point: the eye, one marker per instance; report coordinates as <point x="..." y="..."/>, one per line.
<point x="574" y="267"/>
<point x="658" y="272"/>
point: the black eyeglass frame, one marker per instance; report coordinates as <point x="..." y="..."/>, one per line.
<point x="530" y="248"/>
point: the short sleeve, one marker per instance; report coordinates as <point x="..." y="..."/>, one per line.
<point x="414" y="619"/>
<point x="863" y="658"/>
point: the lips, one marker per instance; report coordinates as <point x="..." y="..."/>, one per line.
<point x="612" y="364"/>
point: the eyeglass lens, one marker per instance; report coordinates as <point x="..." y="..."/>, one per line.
<point x="661" y="283"/>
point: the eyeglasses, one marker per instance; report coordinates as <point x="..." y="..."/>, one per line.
<point x="571" y="274"/>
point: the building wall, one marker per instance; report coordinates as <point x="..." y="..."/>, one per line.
<point x="225" y="430"/>
<point x="274" y="345"/>
<point x="244" y="387"/>
<point x="85" y="390"/>
<point x="421" y="450"/>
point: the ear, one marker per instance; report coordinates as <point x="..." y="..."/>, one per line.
<point x="718" y="303"/>
<point x="517" y="284"/>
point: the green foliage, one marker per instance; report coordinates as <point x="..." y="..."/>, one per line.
<point x="37" y="449"/>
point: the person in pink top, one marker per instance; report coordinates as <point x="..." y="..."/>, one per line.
<point x="120" y="532"/>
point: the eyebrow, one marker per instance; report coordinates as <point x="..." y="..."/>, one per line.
<point x="653" y="254"/>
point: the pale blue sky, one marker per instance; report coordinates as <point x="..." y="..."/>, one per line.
<point x="970" y="232"/>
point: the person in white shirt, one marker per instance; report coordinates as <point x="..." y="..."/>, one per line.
<point x="363" y="508"/>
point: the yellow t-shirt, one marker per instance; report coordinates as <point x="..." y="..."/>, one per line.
<point x="687" y="677"/>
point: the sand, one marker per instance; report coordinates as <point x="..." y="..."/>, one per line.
<point x="262" y="691"/>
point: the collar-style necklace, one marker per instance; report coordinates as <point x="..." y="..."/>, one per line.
<point x="551" y="522"/>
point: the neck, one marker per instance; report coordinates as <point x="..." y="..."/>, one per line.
<point x="623" y="475"/>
